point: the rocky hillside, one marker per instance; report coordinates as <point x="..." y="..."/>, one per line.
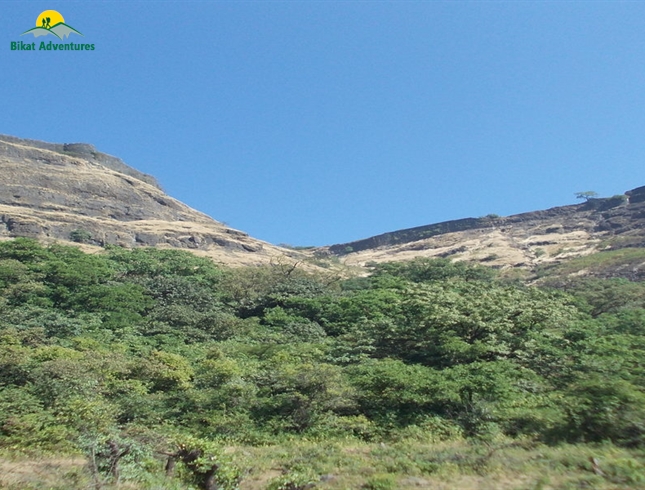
<point x="531" y="241"/>
<point x="72" y="192"/>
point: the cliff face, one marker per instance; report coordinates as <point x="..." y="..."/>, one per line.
<point x="528" y="240"/>
<point x="65" y="191"/>
<point x="73" y="192"/>
<point x="80" y="150"/>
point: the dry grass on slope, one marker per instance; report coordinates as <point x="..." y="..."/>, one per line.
<point x="342" y="465"/>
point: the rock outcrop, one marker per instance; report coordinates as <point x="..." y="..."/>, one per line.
<point x="527" y="240"/>
<point x="74" y="192"/>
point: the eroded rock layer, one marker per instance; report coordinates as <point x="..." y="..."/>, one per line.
<point x="72" y="192"/>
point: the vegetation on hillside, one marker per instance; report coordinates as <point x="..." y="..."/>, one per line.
<point x="144" y="359"/>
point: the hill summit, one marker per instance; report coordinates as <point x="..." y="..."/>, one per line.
<point x="73" y="192"/>
<point x="532" y="241"/>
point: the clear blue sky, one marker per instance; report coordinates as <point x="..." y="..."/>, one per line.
<point x="314" y="123"/>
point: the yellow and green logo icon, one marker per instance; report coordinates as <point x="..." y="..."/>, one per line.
<point x="51" y="22"/>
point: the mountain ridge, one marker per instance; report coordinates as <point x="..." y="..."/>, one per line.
<point x="407" y="235"/>
<point x="85" y="151"/>
<point x="72" y="192"/>
<point x="527" y="240"/>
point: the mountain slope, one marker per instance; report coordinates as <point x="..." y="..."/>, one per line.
<point x="73" y="192"/>
<point x="530" y="241"/>
<point x="56" y="191"/>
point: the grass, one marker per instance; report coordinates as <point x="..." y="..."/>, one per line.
<point x="352" y="464"/>
<point x="42" y="472"/>
<point x="617" y="242"/>
<point x="600" y="263"/>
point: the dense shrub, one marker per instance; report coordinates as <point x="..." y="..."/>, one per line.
<point x="143" y="345"/>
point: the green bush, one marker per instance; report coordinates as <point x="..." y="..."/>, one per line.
<point x="293" y="480"/>
<point x="80" y="236"/>
<point x="381" y="482"/>
<point x="145" y="345"/>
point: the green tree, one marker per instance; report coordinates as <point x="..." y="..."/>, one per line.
<point x="586" y="195"/>
<point x="425" y="270"/>
<point x="456" y="322"/>
<point x="297" y="397"/>
<point x="80" y="236"/>
<point x="600" y="409"/>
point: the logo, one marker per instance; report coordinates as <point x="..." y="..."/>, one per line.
<point x="51" y="22"/>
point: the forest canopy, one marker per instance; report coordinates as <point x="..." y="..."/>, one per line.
<point x="160" y="349"/>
